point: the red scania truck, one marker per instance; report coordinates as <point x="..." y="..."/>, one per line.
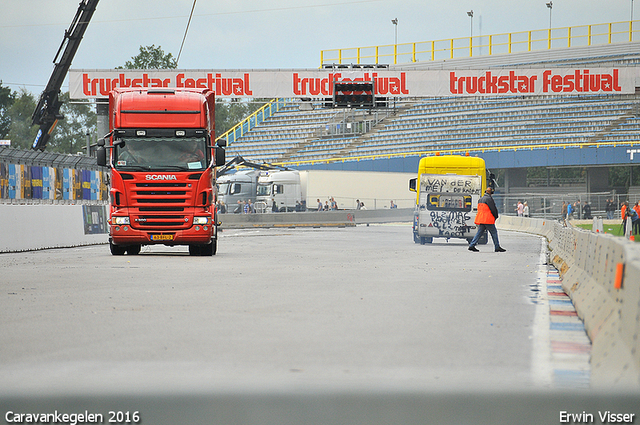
<point x="162" y="154"/>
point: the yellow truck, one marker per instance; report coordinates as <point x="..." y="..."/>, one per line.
<point x="447" y="191"/>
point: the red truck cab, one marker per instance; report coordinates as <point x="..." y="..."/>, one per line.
<point x="162" y="156"/>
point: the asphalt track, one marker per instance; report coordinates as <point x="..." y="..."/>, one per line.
<point x="328" y="308"/>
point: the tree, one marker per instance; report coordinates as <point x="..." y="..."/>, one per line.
<point x="230" y="113"/>
<point x="6" y="100"/>
<point x="21" y="132"/>
<point x="70" y="133"/>
<point x="151" y="57"/>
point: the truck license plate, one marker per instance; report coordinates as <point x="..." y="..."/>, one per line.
<point x="161" y="237"/>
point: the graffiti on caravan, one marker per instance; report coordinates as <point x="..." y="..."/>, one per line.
<point x="439" y="183"/>
<point x="450" y="223"/>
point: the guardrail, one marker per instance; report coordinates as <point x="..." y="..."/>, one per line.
<point x="601" y="274"/>
<point x="252" y="120"/>
<point x="486" y="45"/>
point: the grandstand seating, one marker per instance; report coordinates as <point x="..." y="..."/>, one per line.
<point x="296" y="135"/>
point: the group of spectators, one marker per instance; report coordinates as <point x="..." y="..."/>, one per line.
<point x="634" y="214"/>
<point x="522" y="209"/>
<point x="576" y="210"/>
<point x="247" y="207"/>
<point x="333" y="206"/>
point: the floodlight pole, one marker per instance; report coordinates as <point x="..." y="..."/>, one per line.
<point x="395" y="23"/>
<point x="470" y="15"/>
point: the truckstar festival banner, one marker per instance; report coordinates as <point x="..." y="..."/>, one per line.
<point x="85" y="84"/>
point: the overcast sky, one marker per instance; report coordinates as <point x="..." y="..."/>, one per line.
<point x="269" y="34"/>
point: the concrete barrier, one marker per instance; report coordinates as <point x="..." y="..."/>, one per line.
<point x="32" y="227"/>
<point x="601" y="274"/>
<point x="340" y="218"/>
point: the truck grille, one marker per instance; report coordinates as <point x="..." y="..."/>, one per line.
<point x="158" y="203"/>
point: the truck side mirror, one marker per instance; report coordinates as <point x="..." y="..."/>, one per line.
<point x="412" y="184"/>
<point x="220" y="156"/>
<point x="101" y="156"/>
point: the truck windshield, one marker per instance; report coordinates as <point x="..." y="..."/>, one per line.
<point x="223" y="188"/>
<point x="264" y="189"/>
<point x="161" y="154"/>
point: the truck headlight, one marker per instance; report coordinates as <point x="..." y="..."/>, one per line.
<point x="121" y="220"/>
<point x="201" y="220"/>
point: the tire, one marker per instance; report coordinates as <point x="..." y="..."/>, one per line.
<point x="208" y="250"/>
<point x="134" y="249"/>
<point x="194" y="249"/>
<point x="116" y="249"/>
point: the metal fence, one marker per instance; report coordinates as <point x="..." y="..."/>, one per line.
<point x="549" y="205"/>
<point x="32" y="177"/>
<point x="486" y="45"/>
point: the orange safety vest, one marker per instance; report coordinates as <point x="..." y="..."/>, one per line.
<point x="484" y="215"/>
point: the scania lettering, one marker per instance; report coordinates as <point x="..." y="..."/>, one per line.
<point x="447" y="192"/>
<point x="162" y="155"/>
<point x="152" y="177"/>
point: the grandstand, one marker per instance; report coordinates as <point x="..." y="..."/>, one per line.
<point x="307" y="134"/>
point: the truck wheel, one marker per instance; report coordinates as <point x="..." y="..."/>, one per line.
<point x="194" y="249"/>
<point x="117" y="249"/>
<point x="133" y="249"/>
<point x="208" y="250"/>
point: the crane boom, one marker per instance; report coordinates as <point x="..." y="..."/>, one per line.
<point x="47" y="112"/>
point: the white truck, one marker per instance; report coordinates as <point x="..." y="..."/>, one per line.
<point x="281" y="190"/>
<point x="240" y="186"/>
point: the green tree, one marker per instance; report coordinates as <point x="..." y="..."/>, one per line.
<point x="231" y="112"/>
<point x="151" y="57"/>
<point x="7" y="98"/>
<point x="69" y="135"/>
<point x="21" y="132"/>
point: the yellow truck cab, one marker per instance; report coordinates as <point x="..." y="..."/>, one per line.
<point x="447" y="192"/>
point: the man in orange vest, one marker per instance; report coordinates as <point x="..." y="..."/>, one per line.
<point x="486" y="221"/>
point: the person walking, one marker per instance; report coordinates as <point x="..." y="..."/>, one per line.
<point x="486" y="219"/>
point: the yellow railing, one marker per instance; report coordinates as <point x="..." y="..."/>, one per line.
<point x="484" y="45"/>
<point x="470" y="150"/>
<point x="252" y="120"/>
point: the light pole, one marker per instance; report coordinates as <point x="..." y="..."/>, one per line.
<point x="395" y="22"/>
<point x="470" y="15"/>
<point x="631" y="11"/>
<point x="550" y="6"/>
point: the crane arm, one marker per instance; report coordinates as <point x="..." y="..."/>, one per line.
<point x="239" y="161"/>
<point x="47" y="112"/>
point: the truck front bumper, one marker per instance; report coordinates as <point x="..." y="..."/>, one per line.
<point x="194" y="235"/>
